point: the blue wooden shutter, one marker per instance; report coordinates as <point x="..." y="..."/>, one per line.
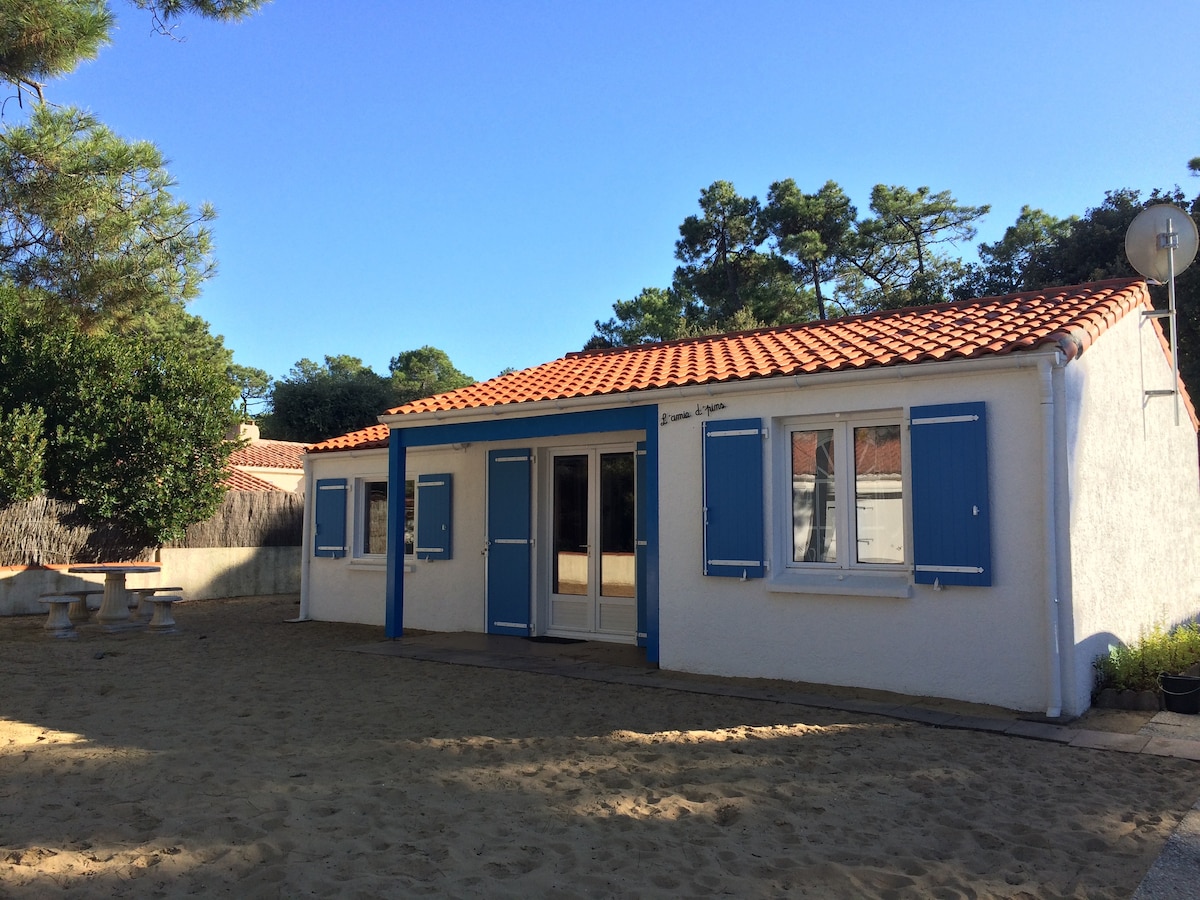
<point x="433" y="516"/>
<point x="733" y="498"/>
<point x="329" y="538"/>
<point x="509" y="541"/>
<point x="952" y="541"/>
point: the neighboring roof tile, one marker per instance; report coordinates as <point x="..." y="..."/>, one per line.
<point x="1073" y="317"/>
<point x="1070" y="317"/>
<point x="269" y="455"/>
<point x="363" y="439"/>
<point x="239" y="480"/>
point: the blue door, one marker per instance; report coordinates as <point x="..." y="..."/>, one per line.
<point x="509" y="522"/>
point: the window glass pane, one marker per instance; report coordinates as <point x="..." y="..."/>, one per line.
<point x="617" y="525"/>
<point x="374" y="517"/>
<point x="571" y="525"/>
<point x="814" y="519"/>
<point x="410" y="518"/>
<point x="878" y="494"/>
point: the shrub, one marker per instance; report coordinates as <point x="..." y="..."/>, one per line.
<point x="1137" y="666"/>
<point x="22" y="454"/>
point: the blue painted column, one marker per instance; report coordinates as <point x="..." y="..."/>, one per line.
<point x="394" y="621"/>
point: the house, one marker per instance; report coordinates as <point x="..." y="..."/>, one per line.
<point x="265" y="465"/>
<point x="971" y="500"/>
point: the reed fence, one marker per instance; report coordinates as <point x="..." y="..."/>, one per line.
<point x="46" y="532"/>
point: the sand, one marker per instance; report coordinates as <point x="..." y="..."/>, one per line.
<point x="251" y="758"/>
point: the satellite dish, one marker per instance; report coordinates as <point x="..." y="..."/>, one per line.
<point x="1160" y="243"/>
<point x="1159" y="233"/>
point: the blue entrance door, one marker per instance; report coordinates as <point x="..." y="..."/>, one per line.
<point x="509" y="523"/>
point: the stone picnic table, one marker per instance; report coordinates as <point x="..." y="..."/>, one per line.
<point x="114" y="608"/>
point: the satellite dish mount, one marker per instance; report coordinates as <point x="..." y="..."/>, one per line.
<point x="1160" y="243"/>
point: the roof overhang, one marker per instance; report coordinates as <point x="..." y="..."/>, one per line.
<point x="928" y="369"/>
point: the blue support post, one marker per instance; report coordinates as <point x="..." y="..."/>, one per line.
<point x="394" y="621"/>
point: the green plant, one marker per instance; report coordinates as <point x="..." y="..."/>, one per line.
<point x="22" y="454"/>
<point x="1137" y="666"/>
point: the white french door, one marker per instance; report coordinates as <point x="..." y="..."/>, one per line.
<point x="591" y="577"/>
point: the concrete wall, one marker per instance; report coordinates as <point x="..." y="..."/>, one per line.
<point x="203" y="574"/>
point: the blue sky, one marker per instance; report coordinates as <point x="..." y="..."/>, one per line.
<point x="489" y="177"/>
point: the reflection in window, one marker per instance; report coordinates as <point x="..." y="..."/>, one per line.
<point x="814" y="497"/>
<point x="374" y="527"/>
<point x="410" y="517"/>
<point x="852" y="461"/>
<point x="617" y="524"/>
<point x="571" y="525"/>
<point x="878" y="494"/>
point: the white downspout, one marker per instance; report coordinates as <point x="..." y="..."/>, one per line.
<point x="306" y="542"/>
<point x="1050" y="526"/>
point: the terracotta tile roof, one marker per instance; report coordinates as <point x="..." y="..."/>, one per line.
<point x="270" y="455"/>
<point x="364" y="439"/>
<point x="1071" y="318"/>
<point x="239" y="480"/>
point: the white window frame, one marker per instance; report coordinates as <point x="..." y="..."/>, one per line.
<point x="361" y="500"/>
<point x="846" y="575"/>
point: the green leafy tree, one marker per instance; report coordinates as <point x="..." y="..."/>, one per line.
<point x="1006" y="266"/>
<point x="424" y="372"/>
<point x="656" y="314"/>
<point x="719" y="249"/>
<point x="315" y="402"/>
<point x="724" y="269"/>
<point x="811" y="230"/>
<point x="45" y="39"/>
<point x="88" y="223"/>
<point x="1094" y="249"/>
<point x="97" y="261"/>
<point x="253" y="386"/>
<point x="897" y="257"/>
<point x="132" y="435"/>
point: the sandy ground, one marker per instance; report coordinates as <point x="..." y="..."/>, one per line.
<point x="251" y="758"/>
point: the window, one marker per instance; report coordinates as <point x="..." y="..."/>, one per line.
<point x="830" y="466"/>
<point x="920" y="511"/>
<point x="373" y="518"/>
<point x="410" y="517"/>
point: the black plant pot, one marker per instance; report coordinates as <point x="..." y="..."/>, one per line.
<point x="1181" y="693"/>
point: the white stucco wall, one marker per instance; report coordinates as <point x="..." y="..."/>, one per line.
<point x="1127" y="535"/>
<point x="983" y="644"/>
<point x="1134" y="498"/>
<point x="441" y="595"/>
<point x="291" y="480"/>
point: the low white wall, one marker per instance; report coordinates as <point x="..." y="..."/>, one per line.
<point x="232" y="571"/>
<point x="203" y="574"/>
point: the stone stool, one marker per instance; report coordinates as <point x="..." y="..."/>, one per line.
<point x="161" y="620"/>
<point x="79" y="608"/>
<point x="139" y="599"/>
<point x="58" y="622"/>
